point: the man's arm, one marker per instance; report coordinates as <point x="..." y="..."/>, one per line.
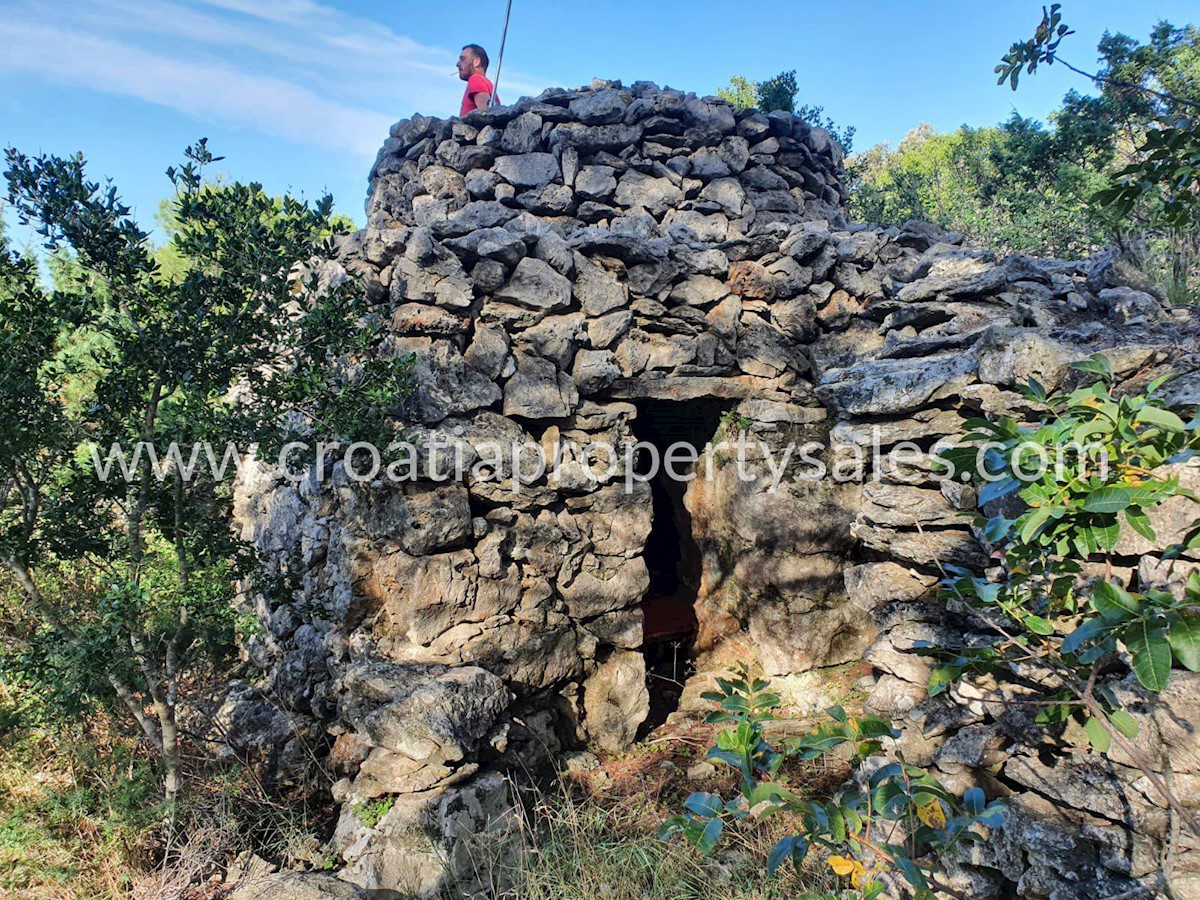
<point x="482" y="99"/>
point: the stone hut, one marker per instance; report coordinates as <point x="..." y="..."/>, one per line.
<point x="620" y="266"/>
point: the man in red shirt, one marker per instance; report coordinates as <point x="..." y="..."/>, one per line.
<point x="472" y="64"/>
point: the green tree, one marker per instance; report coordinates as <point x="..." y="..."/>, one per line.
<point x="131" y="570"/>
<point x="741" y="92"/>
<point x="1010" y="186"/>
<point x="779" y="93"/>
<point x="1150" y="97"/>
<point x="1095" y="175"/>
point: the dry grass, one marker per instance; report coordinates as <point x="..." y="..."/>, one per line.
<point x="80" y="818"/>
<point x="66" y="828"/>
<point x="592" y="836"/>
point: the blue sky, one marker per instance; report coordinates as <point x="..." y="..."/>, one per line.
<point x="298" y="94"/>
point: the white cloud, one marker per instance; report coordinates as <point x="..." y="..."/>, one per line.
<point x="294" y="69"/>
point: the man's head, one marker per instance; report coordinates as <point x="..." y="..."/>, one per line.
<point x="472" y="61"/>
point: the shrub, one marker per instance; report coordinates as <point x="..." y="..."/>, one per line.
<point x="892" y="818"/>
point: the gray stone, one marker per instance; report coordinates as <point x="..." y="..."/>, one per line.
<point x="654" y="195"/>
<point x="597" y="290"/>
<point x="430" y="713"/>
<point x="589" y="139"/>
<point x="726" y="193"/>
<point x="605" y="584"/>
<point x="1009" y="357"/>
<point x="549" y="200"/>
<point x="539" y="390"/>
<point x="708" y="163"/>
<point x="523" y="134"/>
<point x="595" y="182"/>
<point x="891" y="386"/>
<point x="420" y="518"/>
<point x="422" y="841"/>
<point x="600" y="107"/>
<point x="475" y="215"/>
<point x="953" y="273"/>
<point x="1129" y="306"/>
<point x="536" y="285"/>
<point x="615" y="701"/>
<point x="713" y="119"/>
<point x="871" y="585"/>
<point x="554" y="250"/>
<point x="528" y="169"/>
<point x="487" y="351"/>
<point x="699" y="290"/>
<point x="695" y="226"/>
<point x="481" y="184"/>
<point x="595" y="370"/>
<point x="296" y="886"/>
<point x="569" y="162"/>
<point x="443" y="385"/>
<point x="608" y="328"/>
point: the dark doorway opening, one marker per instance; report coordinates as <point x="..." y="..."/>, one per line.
<point x="672" y="554"/>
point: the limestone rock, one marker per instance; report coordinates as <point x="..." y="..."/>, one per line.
<point x="539" y="390"/>
<point x="595" y="370"/>
<point x="420" y="518"/>
<point x="646" y="245"/>
<point x="297" y="886"/>
<point x="952" y="273"/>
<point x="616" y="701"/>
<point x="893" y="386"/>
<point x="431" y="714"/>
<point x="528" y="169"/>
<point x="422" y="838"/>
<point x="605" y="584"/>
<point x="536" y="285"/>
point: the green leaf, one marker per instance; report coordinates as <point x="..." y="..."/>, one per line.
<point x="1097" y="364"/>
<point x="997" y="529"/>
<point x="1038" y="625"/>
<point x="704" y="805"/>
<point x="942" y="678"/>
<point x="1111" y="499"/>
<point x="1098" y="735"/>
<point x="1123" y="722"/>
<point x="974" y="801"/>
<point x="1184" y="637"/>
<point x="794" y="846"/>
<point x="1106" y="533"/>
<point x="837" y="823"/>
<point x="1151" y="654"/>
<point x="1087" y="631"/>
<point x="709" y="837"/>
<point x="672" y="826"/>
<point x="1034" y="521"/>
<point x="1140" y="522"/>
<point x="994" y="490"/>
<point x="1114" y="603"/>
<point x="1162" y="418"/>
<point x="891" y="770"/>
<point x="910" y="871"/>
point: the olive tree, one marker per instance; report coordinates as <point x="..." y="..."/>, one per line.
<point x="130" y="566"/>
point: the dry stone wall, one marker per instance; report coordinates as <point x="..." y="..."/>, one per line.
<point x="556" y="265"/>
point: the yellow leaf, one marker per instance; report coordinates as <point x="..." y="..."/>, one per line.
<point x="932" y="815"/>
<point x="841" y="865"/>
<point x="862" y="877"/>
